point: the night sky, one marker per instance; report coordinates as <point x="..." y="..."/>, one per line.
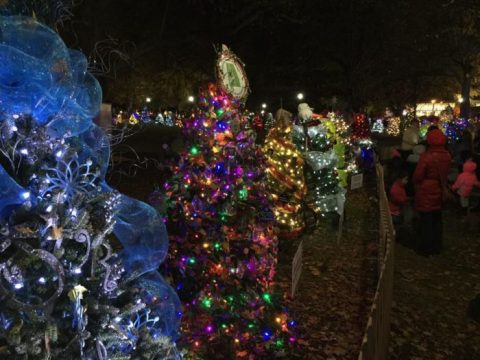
<point x="350" y="55"/>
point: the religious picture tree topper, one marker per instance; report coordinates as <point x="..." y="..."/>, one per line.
<point x="231" y="74"/>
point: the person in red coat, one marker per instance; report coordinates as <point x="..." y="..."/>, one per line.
<point x="431" y="172"/>
<point x="398" y="197"/>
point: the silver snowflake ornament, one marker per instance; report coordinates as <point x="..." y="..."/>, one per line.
<point x="70" y="178"/>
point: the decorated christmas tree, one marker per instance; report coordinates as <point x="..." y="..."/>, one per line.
<point x="269" y="121"/>
<point x="360" y="127"/>
<point x="446" y="118"/>
<point x="159" y="120"/>
<point x="378" y="127"/>
<point x="285" y="179"/>
<point x="257" y="125"/>
<point x="362" y="143"/>
<point x="393" y="126"/>
<point x="176" y="120"/>
<point x="316" y="140"/>
<point x="78" y="260"/>
<point x="342" y="147"/>
<point x="134" y="118"/>
<point x="455" y="128"/>
<point x="145" y="117"/>
<point x="424" y="125"/>
<point x="257" y="122"/>
<point x="165" y="119"/>
<point x="223" y="245"/>
<point x="118" y="119"/>
<point x="408" y="116"/>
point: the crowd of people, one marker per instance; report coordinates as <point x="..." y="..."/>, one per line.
<point x="426" y="175"/>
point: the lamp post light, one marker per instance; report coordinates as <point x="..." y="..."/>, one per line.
<point x="461" y="100"/>
<point x="148" y="99"/>
<point x="264" y="106"/>
<point x="191" y="99"/>
<point x="300" y="96"/>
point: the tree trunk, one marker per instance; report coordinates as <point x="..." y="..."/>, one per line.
<point x="466" y="86"/>
<point x="415" y="95"/>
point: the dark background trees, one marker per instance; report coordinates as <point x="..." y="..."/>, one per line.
<point x="346" y="54"/>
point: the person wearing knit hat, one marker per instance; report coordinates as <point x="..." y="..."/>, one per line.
<point x="429" y="178"/>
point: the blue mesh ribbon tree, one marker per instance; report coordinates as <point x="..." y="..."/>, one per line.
<point x="78" y="260"/>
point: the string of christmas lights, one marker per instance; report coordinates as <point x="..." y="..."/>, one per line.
<point x="285" y="177"/>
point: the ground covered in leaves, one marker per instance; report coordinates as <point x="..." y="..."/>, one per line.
<point x="338" y="281"/>
<point x="339" y="278"/>
<point x="432" y="295"/>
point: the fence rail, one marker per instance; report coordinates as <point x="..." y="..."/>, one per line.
<point x="377" y="334"/>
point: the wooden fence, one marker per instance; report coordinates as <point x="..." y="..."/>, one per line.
<point x="377" y="334"/>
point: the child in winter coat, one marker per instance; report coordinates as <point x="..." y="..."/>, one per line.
<point x="395" y="167"/>
<point x="398" y="197"/>
<point x="465" y="182"/>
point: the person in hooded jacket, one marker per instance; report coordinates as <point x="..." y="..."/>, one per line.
<point x="429" y="178"/>
<point x="465" y="182"/>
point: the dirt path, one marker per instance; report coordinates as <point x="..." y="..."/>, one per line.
<point x="431" y="296"/>
<point x="337" y="285"/>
